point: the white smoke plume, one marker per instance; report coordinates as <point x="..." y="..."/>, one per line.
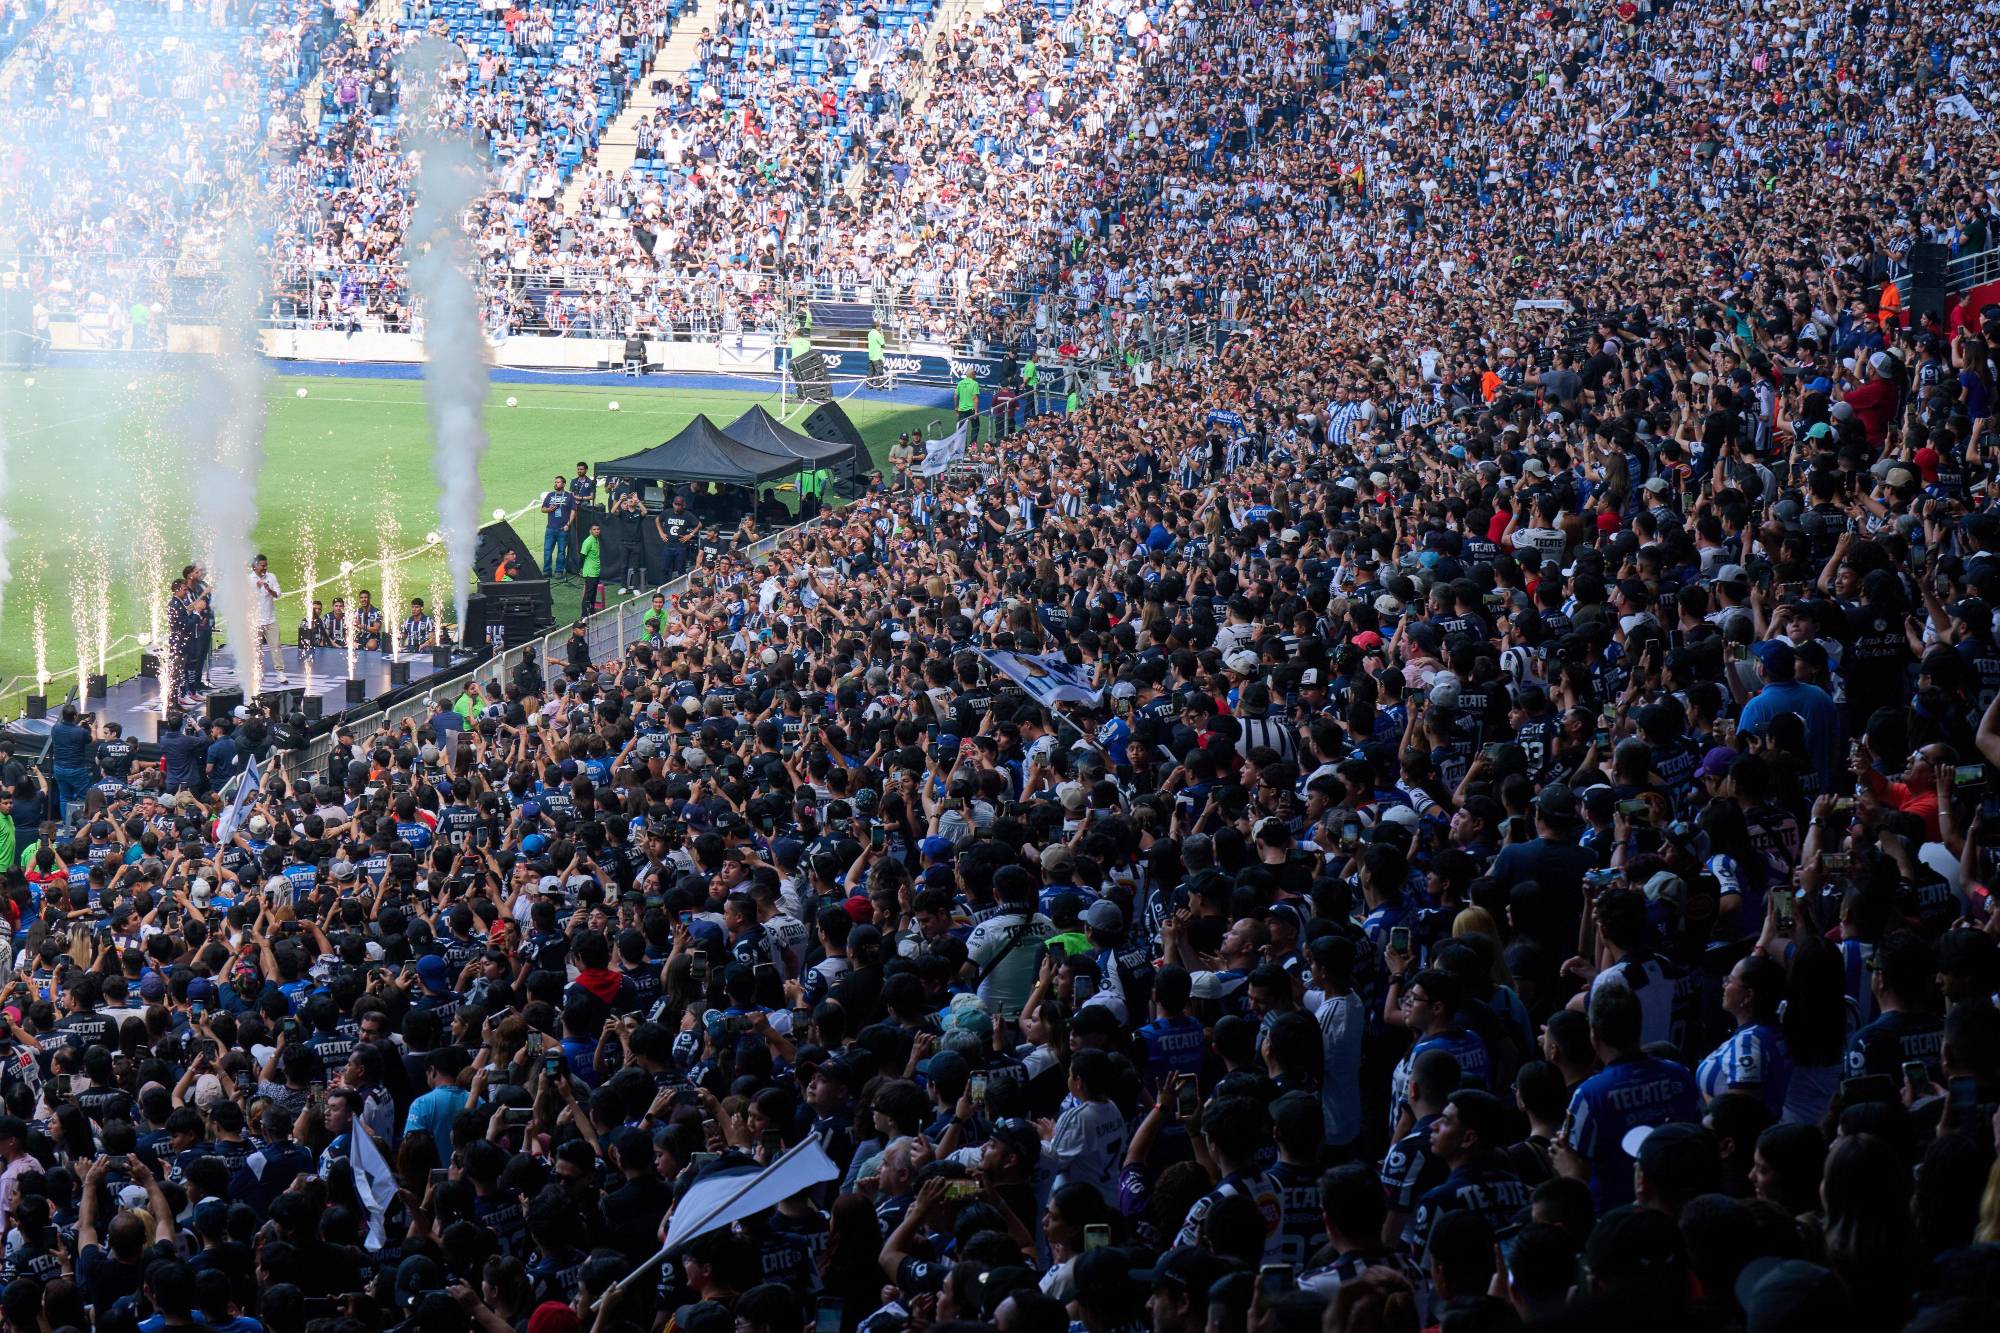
<point x="450" y="177"/>
<point x="6" y="528"/>
<point x="229" y="461"/>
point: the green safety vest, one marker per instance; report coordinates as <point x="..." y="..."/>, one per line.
<point x="799" y="346"/>
<point x="1031" y="374"/>
<point x="968" y="394"/>
<point x="874" y="344"/>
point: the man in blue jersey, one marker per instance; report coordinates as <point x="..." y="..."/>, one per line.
<point x="1174" y="1042"/>
<point x="1633" y="1089"/>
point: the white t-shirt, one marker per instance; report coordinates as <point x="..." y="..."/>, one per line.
<point x="264" y="597"/>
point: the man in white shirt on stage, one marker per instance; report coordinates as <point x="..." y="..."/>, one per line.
<point x="264" y="611"/>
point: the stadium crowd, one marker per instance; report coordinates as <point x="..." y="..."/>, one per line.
<point x="1490" y="822"/>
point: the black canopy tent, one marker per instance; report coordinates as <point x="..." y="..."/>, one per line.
<point x="760" y="430"/>
<point x="700" y="453"/>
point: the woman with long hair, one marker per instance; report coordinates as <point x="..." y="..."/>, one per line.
<point x="1753" y="1058"/>
<point x="850" y="1270"/>
<point x="1870" y="1236"/>
<point x="1816" y="1025"/>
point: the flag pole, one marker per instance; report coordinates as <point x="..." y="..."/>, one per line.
<point x="659" y="1256"/>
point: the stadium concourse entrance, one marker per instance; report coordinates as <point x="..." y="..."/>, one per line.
<point x="752" y="466"/>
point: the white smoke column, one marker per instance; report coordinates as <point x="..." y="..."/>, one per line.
<point x="450" y="178"/>
<point x="6" y="528"/>
<point x="228" y="462"/>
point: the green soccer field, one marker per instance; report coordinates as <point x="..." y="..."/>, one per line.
<point x="101" y="503"/>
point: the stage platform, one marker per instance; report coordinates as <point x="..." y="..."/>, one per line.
<point x="135" y="703"/>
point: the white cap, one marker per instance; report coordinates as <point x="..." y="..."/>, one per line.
<point x="1242" y="661"/>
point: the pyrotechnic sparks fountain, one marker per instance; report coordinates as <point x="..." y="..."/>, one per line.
<point x="347" y="597"/>
<point x="392" y="587"/>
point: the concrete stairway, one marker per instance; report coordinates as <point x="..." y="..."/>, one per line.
<point x="619" y="145"/>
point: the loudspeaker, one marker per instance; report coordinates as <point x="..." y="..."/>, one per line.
<point x="507" y="613"/>
<point x="357" y="690"/>
<point x="38" y="707"/>
<point x="149" y="666"/>
<point x="496" y="541"/>
<point x="97" y="687"/>
<point x="809" y="375"/>
<point x="399" y="673"/>
<point x="1926" y="294"/>
<point x="830" y="423"/>
<point x="312" y="708"/>
<point x="223" y="703"/>
<point x="281" y="703"/>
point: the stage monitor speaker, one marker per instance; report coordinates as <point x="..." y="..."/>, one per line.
<point x="281" y="703"/>
<point x="809" y="376"/>
<point x="312" y="708"/>
<point x="224" y="703"/>
<point x="496" y="542"/>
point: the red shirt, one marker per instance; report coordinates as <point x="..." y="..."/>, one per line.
<point x="1872" y="403"/>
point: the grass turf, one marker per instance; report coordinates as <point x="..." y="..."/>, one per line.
<point x="101" y="487"/>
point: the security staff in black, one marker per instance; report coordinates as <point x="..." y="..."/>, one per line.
<point x="677" y="528"/>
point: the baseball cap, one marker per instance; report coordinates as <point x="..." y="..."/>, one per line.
<point x="1104" y="915"/>
<point x="1778" y="657"/>
<point x="1556" y="804"/>
<point x="1018" y="1134"/>
<point x="1732" y="574"/>
<point x="1780" y="1295"/>
<point x="1243" y="662"/>
<point x="432" y="972"/>
<point x="1716" y="762"/>
<point x="1189" y="1268"/>
<point x="1633" y="1242"/>
<point x="937" y="849"/>
<point x="1367" y="640"/>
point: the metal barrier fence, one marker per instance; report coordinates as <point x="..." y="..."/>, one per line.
<point x="608" y="632"/>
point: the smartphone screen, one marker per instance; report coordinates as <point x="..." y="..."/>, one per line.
<point x="1785" y="907"/>
<point x="975" y="1088"/>
<point x="1914" y="1074"/>
<point x="1096" y="1236"/>
<point x="552" y="1065"/>
<point x="1276" y="1280"/>
<point x="1399" y="939"/>
<point x="1082" y="989"/>
<point x="1189" y="1098"/>
<point x="827" y="1315"/>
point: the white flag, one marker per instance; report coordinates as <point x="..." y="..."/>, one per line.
<point x="721" y="1200"/>
<point x="373" y="1181"/>
<point x="248" y="783"/>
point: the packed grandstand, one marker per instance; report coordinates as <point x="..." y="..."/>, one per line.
<point x="1467" y="803"/>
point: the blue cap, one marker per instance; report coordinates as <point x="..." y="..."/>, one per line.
<point x="1779" y="658"/>
<point x="787" y="851"/>
<point x="531" y="810"/>
<point x="947" y="741"/>
<point x="534" y="845"/>
<point x="1818" y="385"/>
<point x="431" y="971"/>
<point x="1456" y="451"/>
<point x="937" y="849"/>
